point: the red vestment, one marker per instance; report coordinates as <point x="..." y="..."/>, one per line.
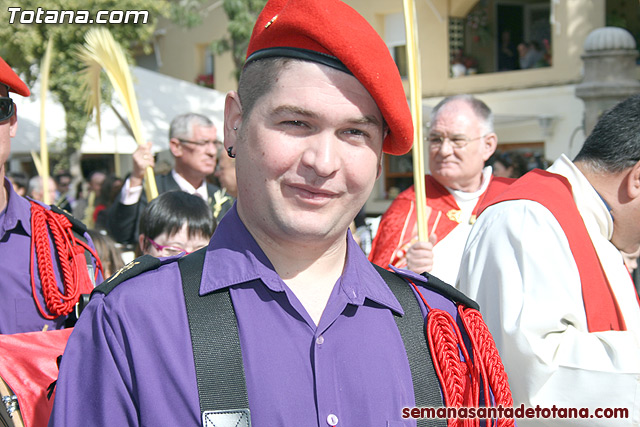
<point x="554" y="193"/>
<point x="397" y="227"/>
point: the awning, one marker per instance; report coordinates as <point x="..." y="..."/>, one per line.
<point x="160" y="99"/>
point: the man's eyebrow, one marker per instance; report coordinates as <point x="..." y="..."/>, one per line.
<point x="294" y="109"/>
<point x="366" y="120"/>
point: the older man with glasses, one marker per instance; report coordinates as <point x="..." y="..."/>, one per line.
<point x="193" y="144"/>
<point x="461" y="138"/>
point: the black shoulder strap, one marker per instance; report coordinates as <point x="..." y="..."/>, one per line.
<point x="426" y="386"/>
<point x="135" y="267"/>
<point x="216" y="348"/>
<point x="449" y="291"/>
<point x="218" y="357"/>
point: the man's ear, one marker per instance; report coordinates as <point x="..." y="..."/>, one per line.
<point x="633" y="181"/>
<point x="490" y="143"/>
<point x="232" y="119"/>
<point x="176" y="147"/>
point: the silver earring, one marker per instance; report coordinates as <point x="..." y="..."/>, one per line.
<point x="235" y="128"/>
<point x="229" y="152"/>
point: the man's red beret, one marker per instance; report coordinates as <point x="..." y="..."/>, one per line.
<point x="332" y="33"/>
<point x="11" y="79"/>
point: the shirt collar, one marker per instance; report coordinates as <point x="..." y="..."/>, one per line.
<point x="17" y="211"/>
<point x="462" y="196"/>
<point x="233" y="256"/>
<point x="188" y="188"/>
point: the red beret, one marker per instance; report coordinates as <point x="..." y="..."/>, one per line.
<point x="332" y="33"/>
<point x="11" y="79"/>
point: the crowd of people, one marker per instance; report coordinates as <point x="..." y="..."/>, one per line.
<point x="253" y="297"/>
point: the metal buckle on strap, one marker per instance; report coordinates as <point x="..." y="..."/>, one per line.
<point x="227" y="418"/>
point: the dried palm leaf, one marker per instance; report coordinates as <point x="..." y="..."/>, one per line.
<point x="102" y="52"/>
<point x="43" y="170"/>
<point x="413" y="56"/>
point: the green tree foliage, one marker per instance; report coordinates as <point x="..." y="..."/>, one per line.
<point x="242" y="15"/>
<point x="186" y="13"/>
<point x="23" y="46"/>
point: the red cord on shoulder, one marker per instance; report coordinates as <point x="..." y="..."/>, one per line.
<point x="463" y="375"/>
<point x="69" y="256"/>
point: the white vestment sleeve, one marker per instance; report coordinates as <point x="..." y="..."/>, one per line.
<point x="518" y="266"/>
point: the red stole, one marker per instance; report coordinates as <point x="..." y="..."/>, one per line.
<point x="554" y="193"/>
<point x="398" y="230"/>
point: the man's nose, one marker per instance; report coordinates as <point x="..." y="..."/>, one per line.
<point x="322" y="154"/>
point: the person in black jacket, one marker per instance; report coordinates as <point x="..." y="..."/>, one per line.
<point x="192" y="141"/>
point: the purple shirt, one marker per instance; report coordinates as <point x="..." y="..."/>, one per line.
<point x="18" y="310"/>
<point x="129" y="360"/>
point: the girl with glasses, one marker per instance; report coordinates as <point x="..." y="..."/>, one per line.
<point x="175" y="223"/>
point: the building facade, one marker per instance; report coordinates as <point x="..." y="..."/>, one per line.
<point x="466" y="46"/>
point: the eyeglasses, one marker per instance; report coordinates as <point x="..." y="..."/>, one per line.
<point x="167" y="250"/>
<point x="457" y="141"/>
<point x="214" y="142"/>
<point x="7" y="108"/>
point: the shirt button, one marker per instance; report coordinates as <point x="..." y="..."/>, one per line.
<point x="319" y="341"/>
<point x="332" y="420"/>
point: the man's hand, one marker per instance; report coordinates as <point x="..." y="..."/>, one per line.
<point x="420" y="255"/>
<point x="142" y="158"/>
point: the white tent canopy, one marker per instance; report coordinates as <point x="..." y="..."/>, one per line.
<point x="160" y="99"/>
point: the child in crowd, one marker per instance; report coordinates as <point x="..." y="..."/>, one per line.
<point x="175" y="222"/>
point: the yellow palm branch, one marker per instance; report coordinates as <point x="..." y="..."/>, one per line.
<point x="102" y="52"/>
<point x="415" y="75"/>
<point x="43" y="170"/>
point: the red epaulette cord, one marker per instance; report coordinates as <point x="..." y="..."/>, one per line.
<point x="70" y="256"/>
<point x="461" y="373"/>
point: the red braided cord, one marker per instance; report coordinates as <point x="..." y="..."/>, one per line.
<point x="461" y="380"/>
<point x="58" y="303"/>
<point x="456" y="376"/>
<point x="484" y="348"/>
<point x="446" y="357"/>
<point x="446" y="342"/>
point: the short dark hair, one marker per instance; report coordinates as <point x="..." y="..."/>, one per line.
<point x="257" y="79"/>
<point x="168" y="212"/>
<point x="614" y="143"/>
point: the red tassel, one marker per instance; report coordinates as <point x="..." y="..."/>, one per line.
<point x="461" y="374"/>
<point x="70" y="256"/>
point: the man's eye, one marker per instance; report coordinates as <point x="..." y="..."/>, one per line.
<point x="296" y="123"/>
<point x="356" y="132"/>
